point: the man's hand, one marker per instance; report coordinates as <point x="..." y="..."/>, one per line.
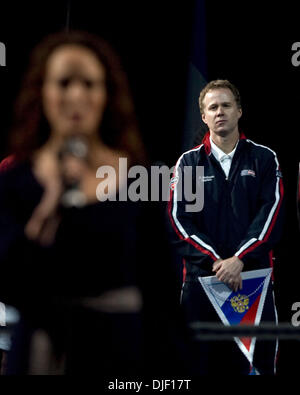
<point x="229" y="271"/>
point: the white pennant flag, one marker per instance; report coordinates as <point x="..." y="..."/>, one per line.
<point x="242" y="307"/>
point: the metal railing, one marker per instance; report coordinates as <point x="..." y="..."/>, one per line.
<point x="206" y="331"/>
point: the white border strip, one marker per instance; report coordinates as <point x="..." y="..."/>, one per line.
<point x="211" y="280"/>
<point x="274" y="207"/>
<point x="174" y="209"/>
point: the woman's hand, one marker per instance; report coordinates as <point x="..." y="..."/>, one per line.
<point x="44" y="220"/>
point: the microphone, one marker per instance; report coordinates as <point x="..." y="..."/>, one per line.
<point x="72" y="155"/>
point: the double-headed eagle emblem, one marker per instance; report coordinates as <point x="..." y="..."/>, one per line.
<point x="240" y="303"/>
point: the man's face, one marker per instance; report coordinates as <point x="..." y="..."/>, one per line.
<point x="221" y="113"/>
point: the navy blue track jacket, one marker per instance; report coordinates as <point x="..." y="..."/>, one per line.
<point x="241" y="216"/>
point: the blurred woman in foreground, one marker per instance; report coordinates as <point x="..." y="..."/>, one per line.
<point x="74" y="114"/>
<point x="81" y="266"/>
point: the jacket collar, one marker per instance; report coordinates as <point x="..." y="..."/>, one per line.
<point x="207" y="145"/>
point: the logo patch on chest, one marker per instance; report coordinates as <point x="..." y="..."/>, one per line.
<point x="248" y="173"/>
<point x="173" y="183"/>
<point x="206" y="178"/>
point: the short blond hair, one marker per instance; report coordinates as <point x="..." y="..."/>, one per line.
<point x="217" y="84"/>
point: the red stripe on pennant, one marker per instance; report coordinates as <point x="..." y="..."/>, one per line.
<point x="249" y="318"/>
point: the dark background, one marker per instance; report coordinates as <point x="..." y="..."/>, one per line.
<point x="244" y="42"/>
<point x="152" y="38"/>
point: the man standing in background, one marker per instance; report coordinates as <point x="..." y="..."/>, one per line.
<point x="235" y="231"/>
